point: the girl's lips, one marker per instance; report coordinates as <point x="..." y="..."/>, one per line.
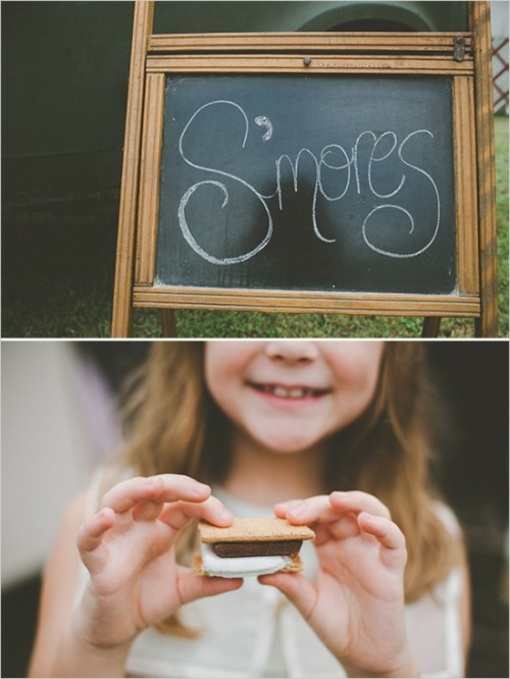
<point x="289" y="392"/>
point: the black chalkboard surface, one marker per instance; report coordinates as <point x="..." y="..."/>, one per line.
<point x="308" y="182"/>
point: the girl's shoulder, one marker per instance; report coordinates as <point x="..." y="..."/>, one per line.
<point x="448" y="518"/>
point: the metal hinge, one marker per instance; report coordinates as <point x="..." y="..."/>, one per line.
<point x="459" y="48"/>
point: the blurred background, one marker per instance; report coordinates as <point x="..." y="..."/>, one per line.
<point x="59" y="421"/>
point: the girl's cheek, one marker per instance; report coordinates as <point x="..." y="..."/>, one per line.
<point x="227" y="358"/>
<point x="358" y="366"/>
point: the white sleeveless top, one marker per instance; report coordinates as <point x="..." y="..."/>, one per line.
<point x="255" y="632"/>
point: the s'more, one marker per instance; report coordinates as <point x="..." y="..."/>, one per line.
<point x="255" y="546"/>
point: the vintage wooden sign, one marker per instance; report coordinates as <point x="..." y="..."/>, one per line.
<point x="308" y="173"/>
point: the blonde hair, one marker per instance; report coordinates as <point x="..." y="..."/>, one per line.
<point x="173" y="425"/>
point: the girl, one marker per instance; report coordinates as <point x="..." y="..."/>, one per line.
<point x="330" y="434"/>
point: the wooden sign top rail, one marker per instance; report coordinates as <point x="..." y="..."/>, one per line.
<point x="442" y="43"/>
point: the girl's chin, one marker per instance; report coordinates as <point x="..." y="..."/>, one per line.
<point x="286" y="446"/>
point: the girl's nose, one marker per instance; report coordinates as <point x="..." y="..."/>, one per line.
<point x="292" y="351"/>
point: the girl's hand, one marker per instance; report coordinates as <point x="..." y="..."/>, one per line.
<point x="356" y="604"/>
<point x="129" y="550"/>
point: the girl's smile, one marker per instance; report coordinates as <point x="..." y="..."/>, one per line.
<point x="289" y="392"/>
<point x="290" y="395"/>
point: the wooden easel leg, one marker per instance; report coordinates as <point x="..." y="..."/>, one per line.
<point x="168" y="325"/>
<point x="122" y="296"/>
<point x="431" y="325"/>
<point x="487" y="324"/>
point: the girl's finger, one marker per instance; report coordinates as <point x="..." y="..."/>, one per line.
<point x="179" y="514"/>
<point x="147" y="511"/>
<point x="325" y="520"/>
<point x="192" y="586"/>
<point x="90" y="538"/>
<point x="296" y="588"/>
<point x="329" y="508"/>
<point x="317" y="508"/>
<point x="343" y="527"/>
<point x="91" y="532"/>
<point x="281" y="508"/>
<point x="389" y="536"/>
<point x="163" y="488"/>
<point x="327" y="525"/>
<point x="388" y="533"/>
<point x="357" y="501"/>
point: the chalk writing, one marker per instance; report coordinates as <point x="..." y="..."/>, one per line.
<point x="335" y="160"/>
<point x="265" y="122"/>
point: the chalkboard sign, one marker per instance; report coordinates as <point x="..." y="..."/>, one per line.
<point x="308" y="182"/>
<point x="308" y="172"/>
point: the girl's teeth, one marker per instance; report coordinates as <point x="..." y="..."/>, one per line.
<point x="282" y="392"/>
<point x="289" y="392"/>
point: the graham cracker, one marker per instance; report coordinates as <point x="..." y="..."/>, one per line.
<point x="259" y="529"/>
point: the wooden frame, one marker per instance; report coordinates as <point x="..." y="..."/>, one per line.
<point x="487" y="322"/>
<point x="423" y="54"/>
<point x="465" y="303"/>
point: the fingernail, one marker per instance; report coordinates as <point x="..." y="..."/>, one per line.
<point x="202" y="488"/>
<point x="298" y="511"/>
<point x="225" y="515"/>
<point x="100" y="516"/>
<point x="199" y="490"/>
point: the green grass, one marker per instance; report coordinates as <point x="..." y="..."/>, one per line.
<point x="501" y="136"/>
<point x="57" y="281"/>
